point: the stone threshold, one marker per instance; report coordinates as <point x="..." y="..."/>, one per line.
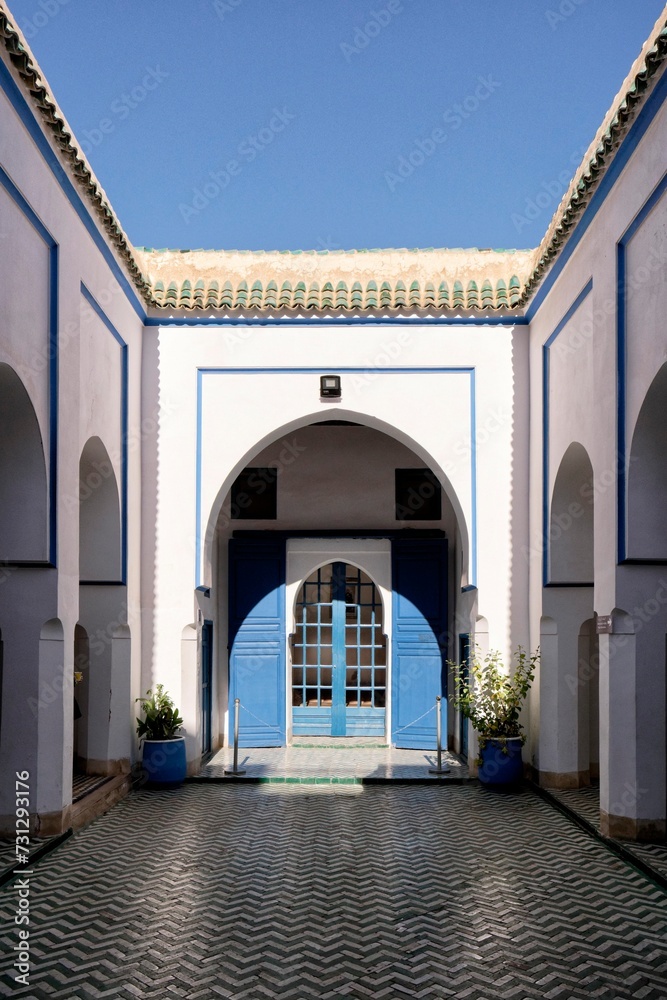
<point x="255" y="779"/>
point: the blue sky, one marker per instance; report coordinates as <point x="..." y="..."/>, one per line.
<point x="299" y="124"/>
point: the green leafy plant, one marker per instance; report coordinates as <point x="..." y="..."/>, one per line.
<point x="491" y="696"/>
<point x="162" y="720"/>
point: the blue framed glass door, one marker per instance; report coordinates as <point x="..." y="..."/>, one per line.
<point x="339" y="655"/>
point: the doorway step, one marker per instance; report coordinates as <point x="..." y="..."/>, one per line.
<point x="326" y="761"/>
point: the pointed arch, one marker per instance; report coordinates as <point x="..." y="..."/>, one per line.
<point x="465" y="526"/>
<point x="571" y="522"/>
<point x="100" y="557"/>
<point x="24" y="498"/>
<point x="647" y="475"/>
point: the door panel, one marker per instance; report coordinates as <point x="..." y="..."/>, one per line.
<point x="419" y="638"/>
<point x="257" y="639"/>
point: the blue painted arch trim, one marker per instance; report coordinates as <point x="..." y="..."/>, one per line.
<point x="546" y="372"/>
<point x="621" y="372"/>
<point x="637" y="131"/>
<point x="463" y="370"/>
<point x="52" y="354"/>
<point x="124" y="420"/>
<point x="28" y="120"/>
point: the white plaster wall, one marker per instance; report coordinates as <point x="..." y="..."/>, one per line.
<point x="584" y="375"/>
<point x="24" y="305"/>
<point x="584" y="408"/>
<point x="88" y="402"/>
<point x="646" y="323"/>
<point x="100" y="364"/>
<point x="341" y="477"/>
<point x="242" y="412"/>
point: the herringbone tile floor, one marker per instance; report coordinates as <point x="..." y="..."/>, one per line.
<point x="586" y="802"/>
<point x="316" y="892"/>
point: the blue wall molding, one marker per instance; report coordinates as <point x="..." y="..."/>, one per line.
<point x="621" y="372"/>
<point x="468" y="371"/>
<point x="124" y="419"/>
<point x="546" y="373"/>
<point x="52" y="339"/>
<point x="25" y="112"/>
<point x="636" y="133"/>
<point x="311" y="321"/>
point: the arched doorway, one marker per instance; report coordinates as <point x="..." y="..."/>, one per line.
<point x="567" y="601"/>
<point x="571" y="534"/>
<point x="101" y="639"/>
<point x="647" y="476"/>
<point x="24" y="499"/>
<point x="338" y="655"/>
<point x="340" y="493"/>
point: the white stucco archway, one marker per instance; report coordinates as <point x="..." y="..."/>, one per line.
<point x="99" y="515"/>
<point x="463" y="523"/>
<point x="647" y="475"/>
<point x="571" y="534"/>
<point x="24" y="502"/>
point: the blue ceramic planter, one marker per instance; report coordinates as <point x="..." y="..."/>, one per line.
<point x="501" y="762"/>
<point x="164" y="761"/>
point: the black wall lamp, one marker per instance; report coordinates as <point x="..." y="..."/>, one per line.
<point x="330" y="387"/>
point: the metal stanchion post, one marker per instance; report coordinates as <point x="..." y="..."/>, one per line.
<point x="235" y="768"/>
<point x="438" y="728"/>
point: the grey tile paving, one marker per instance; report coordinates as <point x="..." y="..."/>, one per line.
<point x="586" y="803"/>
<point x="314" y="892"/>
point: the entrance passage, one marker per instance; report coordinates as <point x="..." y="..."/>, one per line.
<point x="339" y="655"/>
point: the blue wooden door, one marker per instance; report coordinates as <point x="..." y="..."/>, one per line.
<point x="206" y="684"/>
<point x="257" y="639"/>
<point x="338" y="655"/>
<point x="419" y="641"/>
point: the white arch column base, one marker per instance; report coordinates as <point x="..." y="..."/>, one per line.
<point x="562" y="759"/>
<point x="626" y="799"/>
<point x="51" y="785"/>
<point x="190" y="700"/>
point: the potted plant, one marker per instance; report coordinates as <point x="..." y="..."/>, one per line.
<point x="163" y="748"/>
<point x="491" y="697"/>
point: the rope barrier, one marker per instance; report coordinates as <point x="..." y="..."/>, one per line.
<point x="439" y="769"/>
<point x="262" y="721"/>
<point x="414" y="721"/>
